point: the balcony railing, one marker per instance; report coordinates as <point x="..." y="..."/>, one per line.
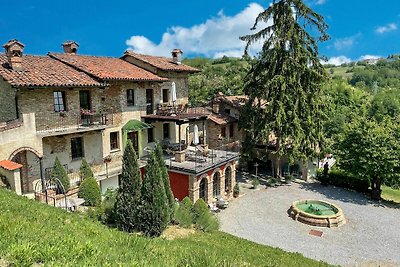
<point x="179" y="109"/>
<point x="62" y="121"/>
<point x="74" y="177"/>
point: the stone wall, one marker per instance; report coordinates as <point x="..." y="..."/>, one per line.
<point x="8" y="109"/>
<point x="20" y="137"/>
<point x="40" y="101"/>
<point x="60" y="146"/>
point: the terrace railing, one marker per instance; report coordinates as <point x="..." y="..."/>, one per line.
<point x="62" y="121"/>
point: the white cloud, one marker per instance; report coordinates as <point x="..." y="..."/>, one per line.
<point x="337" y="61"/>
<point x="214" y="38"/>
<point x="320" y="2"/>
<point x="346" y="43"/>
<point x="387" y="28"/>
<point x="365" y="57"/>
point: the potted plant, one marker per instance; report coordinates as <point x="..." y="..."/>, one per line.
<point x="236" y="190"/>
<point x="288" y="179"/>
<point x="255" y="183"/>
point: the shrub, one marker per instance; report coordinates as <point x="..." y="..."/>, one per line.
<point x="183" y="215"/>
<point x="60" y="173"/>
<point x="89" y="190"/>
<point x="107" y="212"/>
<point x="207" y="222"/>
<point x="199" y="208"/>
<point x="255" y="183"/>
<point x="203" y="218"/>
<point x="236" y="190"/>
<point x="340" y="178"/>
<point x="85" y="170"/>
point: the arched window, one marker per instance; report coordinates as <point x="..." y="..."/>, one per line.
<point x="228" y="179"/>
<point x="216" y="185"/>
<point x="203" y="189"/>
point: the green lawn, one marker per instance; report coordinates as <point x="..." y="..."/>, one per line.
<point x="36" y="233"/>
<point x="391" y="194"/>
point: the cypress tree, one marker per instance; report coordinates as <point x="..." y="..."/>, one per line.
<point x="288" y="75"/>
<point x="127" y="204"/>
<point x="165" y="179"/>
<point x="60" y="173"/>
<point x="155" y="211"/>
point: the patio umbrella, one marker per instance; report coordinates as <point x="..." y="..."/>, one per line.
<point x="173" y="92"/>
<point x="196" y="135"/>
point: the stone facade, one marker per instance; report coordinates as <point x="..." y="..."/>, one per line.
<point x="221" y="171"/>
<point x="8" y="110"/>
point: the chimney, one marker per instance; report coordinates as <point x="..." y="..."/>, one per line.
<point x="177" y="56"/>
<point x="70" y="47"/>
<point x="14" y="50"/>
<point x="215" y="104"/>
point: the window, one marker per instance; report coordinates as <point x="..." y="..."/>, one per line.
<point x="166" y="130"/>
<point x="150" y="135"/>
<point x="84" y="100"/>
<point x="231" y="130"/>
<point x="76" y="148"/>
<point x="114" y="144"/>
<point x="59" y="101"/>
<point x="223" y="131"/>
<point x="227" y="111"/>
<point x="165" y="95"/>
<point x="130" y="98"/>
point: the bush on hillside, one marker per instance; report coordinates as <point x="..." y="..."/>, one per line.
<point x="85" y="170"/>
<point x="199" y="208"/>
<point x="89" y="190"/>
<point x="183" y="215"/>
<point x="203" y="218"/>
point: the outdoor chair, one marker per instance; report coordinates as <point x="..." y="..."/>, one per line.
<point x="213" y="208"/>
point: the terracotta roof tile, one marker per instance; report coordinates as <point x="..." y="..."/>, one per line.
<point x="221" y="118"/>
<point x="43" y="71"/>
<point x="107" y="68"/>
<point x="162" y="63"/>
<point x="10" y="165"/>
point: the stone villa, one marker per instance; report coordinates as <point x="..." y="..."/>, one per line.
<point x="74" y="106"/>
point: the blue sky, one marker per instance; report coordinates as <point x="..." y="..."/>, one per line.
<point x="209" y="28"/>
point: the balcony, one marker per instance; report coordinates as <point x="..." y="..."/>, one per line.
<point x="70" y="122"/>
<point x="179" y="114"/>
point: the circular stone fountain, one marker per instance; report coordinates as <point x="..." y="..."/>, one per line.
<point x="317" y="213"/>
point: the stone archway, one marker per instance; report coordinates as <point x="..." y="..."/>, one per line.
<point x="203" y="189"/>
<point x="216" y="184"/>
<point x="30" y="172"/>
<point x="228" y="179"/>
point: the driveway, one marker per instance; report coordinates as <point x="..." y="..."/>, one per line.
<point x="371" y="236"/>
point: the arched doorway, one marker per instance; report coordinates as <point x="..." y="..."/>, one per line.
<point x="216" y="185"/>
<point x="203" y="190"/>
<point x="228" y="179"/>
<point x="31" y="170"/>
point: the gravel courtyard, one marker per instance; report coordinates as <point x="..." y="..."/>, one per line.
<point x="371" y="236"/>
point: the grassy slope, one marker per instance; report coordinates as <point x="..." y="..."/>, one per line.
<point x="33" y="232"/>
<point x="391" y="194"/>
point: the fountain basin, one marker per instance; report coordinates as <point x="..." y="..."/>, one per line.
<point x="317" y="213"/>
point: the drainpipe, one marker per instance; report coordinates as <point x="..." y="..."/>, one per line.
<point x="42" y="179"/>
